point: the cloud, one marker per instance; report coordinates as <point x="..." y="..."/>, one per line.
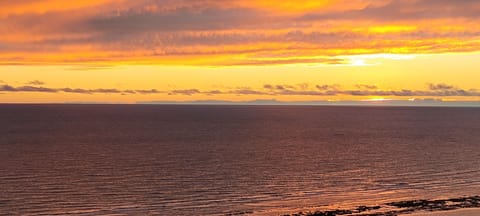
<point x="278" y="87"/>
<point x="8" y="88"/>
<point x="327" y="87"/>
<point x="179" y="20"/>
<point x="36" y="83"/>
<point x="258" y="61"/>
<point x="185" y="92"/>
<point x="401" y="10"/>
<point x="363" y="86"/>
<point x="440" y="87"/>
<point x="362" y="90"/>
<point x="148" y="91"/>
<point x="29" y="88"/>
<point x="440" y="90"/>
<point x="93" y="91"/>
<point x="229" y="33"/>
<point x="436" y="90"/>
<point x="247" y="91"/>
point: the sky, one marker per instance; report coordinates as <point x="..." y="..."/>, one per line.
<point x="119" y="51"/>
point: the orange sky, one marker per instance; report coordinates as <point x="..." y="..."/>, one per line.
<point x="183" y="50"/>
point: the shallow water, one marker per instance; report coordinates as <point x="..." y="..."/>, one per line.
<point x="217" y="160"/>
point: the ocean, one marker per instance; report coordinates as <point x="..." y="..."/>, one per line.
<point x="228" y="160"/>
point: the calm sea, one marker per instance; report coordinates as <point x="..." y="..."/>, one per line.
<point x="217" y="160"/>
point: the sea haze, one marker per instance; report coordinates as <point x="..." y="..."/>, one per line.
<point x="217" y="160"/>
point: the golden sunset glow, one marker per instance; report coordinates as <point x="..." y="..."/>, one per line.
<point x="240" y="50"/>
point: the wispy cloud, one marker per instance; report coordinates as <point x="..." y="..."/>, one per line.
<point x="229" y="33"/>
<point x="35" y="83"/>
<point x="364" y="86"/>
<point x="441" y="87"/>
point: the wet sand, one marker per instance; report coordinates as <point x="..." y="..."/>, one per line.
<point x="459" y="212"/>
<point x="462" y="206"/>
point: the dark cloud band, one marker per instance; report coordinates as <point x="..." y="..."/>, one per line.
<point x="434" y="90"/>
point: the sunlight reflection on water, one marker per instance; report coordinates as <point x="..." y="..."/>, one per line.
<point x="208" y="160"/>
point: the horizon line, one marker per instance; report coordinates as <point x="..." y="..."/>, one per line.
<point x="384" y="103"/>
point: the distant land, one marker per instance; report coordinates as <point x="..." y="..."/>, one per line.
<point x="414" y="103"/>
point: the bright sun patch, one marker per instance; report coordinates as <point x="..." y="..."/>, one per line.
<point x="391" y="29"/>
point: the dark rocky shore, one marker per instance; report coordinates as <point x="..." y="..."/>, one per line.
<point x="401" y="207"/>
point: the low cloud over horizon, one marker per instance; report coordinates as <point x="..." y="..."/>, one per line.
<point x="304" y="89"/>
